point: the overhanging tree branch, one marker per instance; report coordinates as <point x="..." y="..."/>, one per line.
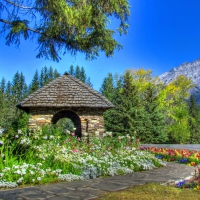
<point x="65" y="26"/>
<point x="18" y="5"/>
<point x="28" y="28"/>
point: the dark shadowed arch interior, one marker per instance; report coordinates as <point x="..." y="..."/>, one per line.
<point x="71" y="115"/>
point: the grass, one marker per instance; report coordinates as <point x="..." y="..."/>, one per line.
<point x="152" y="191"/>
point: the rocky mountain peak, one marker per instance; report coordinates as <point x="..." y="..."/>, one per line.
<point x="188" y="69"/>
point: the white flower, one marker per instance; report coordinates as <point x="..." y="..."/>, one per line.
<point x="19" y="131"/>
<point x="85" y="134"/>
<point x="39" y="178"/>
<point x="20" y="180"/>
<point x="96" y="133"/>
<point x="104" y="134"/>
<point x="51" y="137"/>
<point x="45" y="137"/>
<point x="31" y="172"/>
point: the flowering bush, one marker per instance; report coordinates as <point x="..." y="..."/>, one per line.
<point x="47" y="155"/>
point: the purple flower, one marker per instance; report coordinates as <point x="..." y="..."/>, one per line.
<point x="159" y="156"/>
<point x="73" y="134"/>
<point x="181" y="183"/>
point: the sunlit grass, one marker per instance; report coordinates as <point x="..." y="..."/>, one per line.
<point x="152" y="191"/>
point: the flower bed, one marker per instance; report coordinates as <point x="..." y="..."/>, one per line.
<point x="189" y="157"/>
<point x="48" y="156"/>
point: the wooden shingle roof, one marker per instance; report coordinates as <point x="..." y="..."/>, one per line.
<point x="66" y="91"/>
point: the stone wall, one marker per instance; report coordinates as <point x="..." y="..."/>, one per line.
<point x="91" y="119"/>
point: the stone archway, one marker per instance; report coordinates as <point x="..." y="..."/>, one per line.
<point x="71" y="115"/>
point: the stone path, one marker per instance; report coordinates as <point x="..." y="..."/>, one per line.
<point x="91" y="189"/>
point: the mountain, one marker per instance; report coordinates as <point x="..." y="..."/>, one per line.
<point x="188" y="69"/>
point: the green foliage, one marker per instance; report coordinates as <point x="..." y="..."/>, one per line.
<point x="194" y="121"/>
<point x="108" y="87"/>
<point x="155" y="130"/>
<point x="66" y="26"/>
<point x="35" y="84"/>
<point x="65" y="124"/>
<point x="132" y="113"/>
<point x="157" y="113"/>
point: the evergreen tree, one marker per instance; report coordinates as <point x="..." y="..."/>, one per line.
<point x="8" y="90"/>
<point x="78" y="73"/>
<point x="23" y="87"/>
<point x="71" y="70"/>
<point x="154" y="118"/>
<point x="51" y="75"/>
<point x="125" y="118"/>
<point x="88" y="82"/>
<point x="15" y="88"/>
<point x="55" y="74"/>
<point x="82" y="76"/>
<point x="194" y="121"/>
<point x="42" y="78"/>
<point x="46" y="78"/>
<point x="35" y="83"/>
<point x="108" y="88"/>
<point x="3" y="85"/>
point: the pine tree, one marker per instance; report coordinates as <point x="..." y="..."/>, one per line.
<point x="8" y="90"/>
<point x="51" y="75"/>
<point x="35" y="83"/>
<point x="88" y="82"/>
<point x="153" y="117"/>
<point x="125" y="118"/>
<point x="23" y="87"/>
<point x="46" y="78"/>
<point x="3" y="85"/>
<point x="82" y="76"/>
<point x="78" y="72"/>
<point x="15" y="88"/>
<point x="194" y="121"/>
<point x="42" y="78"/>
<point x="55" y="74"/>
<point x="108" y="88"/>
<point x="71" y="70"/>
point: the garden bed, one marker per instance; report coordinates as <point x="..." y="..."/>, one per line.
<point x="184" y="156"/>
<point x="47" y="156"/>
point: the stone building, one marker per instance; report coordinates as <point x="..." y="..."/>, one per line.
<point x="67" y="97"/>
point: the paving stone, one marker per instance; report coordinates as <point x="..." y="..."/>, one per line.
<point x="108" y="186"/>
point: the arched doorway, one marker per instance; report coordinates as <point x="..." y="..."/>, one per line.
<point x="71" y="115"/>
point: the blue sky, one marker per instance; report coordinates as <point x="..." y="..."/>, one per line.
<point x="163" y="34"/>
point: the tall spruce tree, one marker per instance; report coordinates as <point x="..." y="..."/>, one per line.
<point x="194" y="121"/>
<point x="35" y="83"/>
<point x="55" y="74"/>
<point x="153" y="117"/>
<point x="82" y="76"/>
<point x="108" y="87"/>
<point x="71" y="70"/>
<point x="3" y="85"/>
<point x="125" y="118"/>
